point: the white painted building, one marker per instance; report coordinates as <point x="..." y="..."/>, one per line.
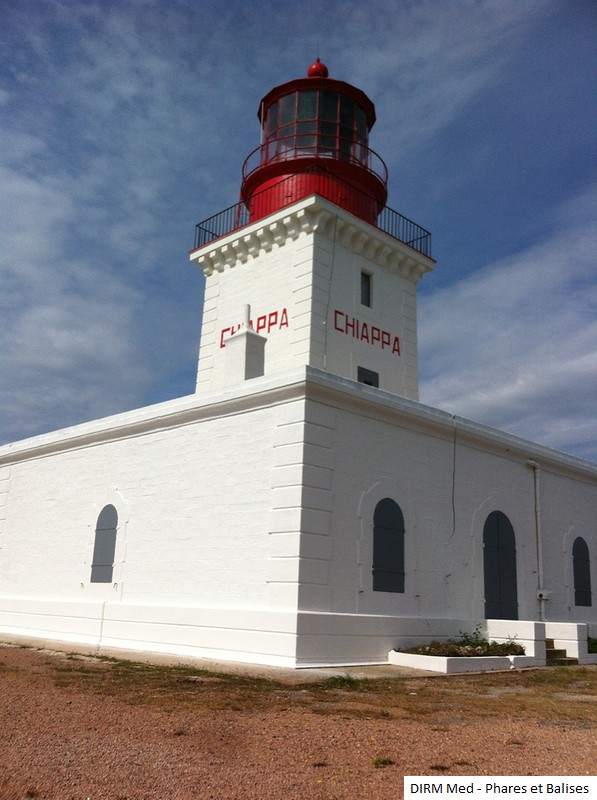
<point x="302" y="507"/>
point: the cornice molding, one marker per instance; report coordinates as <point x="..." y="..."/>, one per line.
<point x="308" y="383"/>
<point x="415" y="416"/>
<point x="313" y="215"/>
<point x="177" y="413"/>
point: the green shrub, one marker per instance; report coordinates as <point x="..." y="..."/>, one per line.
<point x="469" y="645"/>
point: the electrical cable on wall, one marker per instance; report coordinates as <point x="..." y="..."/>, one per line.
<point x="453" y="476"/>
<point x="327" y="308"/>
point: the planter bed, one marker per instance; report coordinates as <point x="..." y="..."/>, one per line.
<point x="454" y="664"/>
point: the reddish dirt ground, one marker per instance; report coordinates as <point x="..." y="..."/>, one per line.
<point x="79" y="728"/>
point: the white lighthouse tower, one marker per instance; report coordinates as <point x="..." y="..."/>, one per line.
<point x="311" y="268"/>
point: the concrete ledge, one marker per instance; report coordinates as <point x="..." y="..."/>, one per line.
<point x="257" y="636"/>
<point x="451" y="665"/>
<point x="528" y="633"/>
<point x="571" y="637"/>
<point x="275" y="638"/>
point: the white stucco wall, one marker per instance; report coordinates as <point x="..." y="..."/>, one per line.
<point x="245" y="524"/>
<point x="300" y="272"/>
<point x="197" y="569"/>
<point x="447" y="475"/>
<point x="185" y="531"/>
<point x="567" y="509"/>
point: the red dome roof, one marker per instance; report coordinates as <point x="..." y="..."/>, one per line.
<point x="317" y="70"/>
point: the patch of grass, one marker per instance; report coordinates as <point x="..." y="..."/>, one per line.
<point x="558" y="677"/>
<point x="342" y="682"/>
<point x="379" y="762"/>
<point x="142" y="683"/>
<point x="547" y="694"/>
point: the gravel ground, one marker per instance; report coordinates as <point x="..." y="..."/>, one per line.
<point x="66" y="733"/>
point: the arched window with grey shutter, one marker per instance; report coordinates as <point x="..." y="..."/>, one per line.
<point x="499" y="567"/>
<point x="388" y="547"/>
<point x="102" y="565"/>
<point x="581" y="570"/>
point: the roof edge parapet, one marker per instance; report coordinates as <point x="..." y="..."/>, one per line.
<point x="309" y="383"/>
<point x="310" y="215"/>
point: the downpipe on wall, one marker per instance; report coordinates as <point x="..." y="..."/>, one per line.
<point x="542" y="594"/>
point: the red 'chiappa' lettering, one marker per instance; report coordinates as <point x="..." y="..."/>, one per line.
<point x="273" y="320"/>
<point x="370" y="334"/>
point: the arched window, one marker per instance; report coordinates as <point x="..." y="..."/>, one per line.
<point x="499" y="567"/>
<point x="581" y="570"/>
<point x="102" y="565"/>
<point x="388" y="547"/>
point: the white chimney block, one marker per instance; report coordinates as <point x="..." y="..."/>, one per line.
<point x="245" y="353"/>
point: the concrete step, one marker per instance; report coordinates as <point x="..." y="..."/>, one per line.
<point x="556" y="656"/>
<point x="552" y="653"/>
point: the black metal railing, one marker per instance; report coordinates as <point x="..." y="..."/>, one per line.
<point x="405" y="230"/>
<point x="222" y="223"/>
<point x="284" y="193"/>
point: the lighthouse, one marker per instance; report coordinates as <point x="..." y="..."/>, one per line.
<point x="311" y="267"/>
<point x="301" y="508"/>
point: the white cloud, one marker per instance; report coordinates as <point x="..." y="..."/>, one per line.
<point x="124" y="125"/>
<point x="514" y="345"/>
<point x="424" y="62"/>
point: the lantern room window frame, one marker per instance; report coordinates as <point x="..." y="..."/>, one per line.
<point x="315" y="122"/>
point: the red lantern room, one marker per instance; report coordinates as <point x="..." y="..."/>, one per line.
<point x="315" y="141"/>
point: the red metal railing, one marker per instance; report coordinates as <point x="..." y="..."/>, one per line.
<point x="291" y="148"/>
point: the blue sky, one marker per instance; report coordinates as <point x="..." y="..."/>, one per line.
<point x="124" y="124"/>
